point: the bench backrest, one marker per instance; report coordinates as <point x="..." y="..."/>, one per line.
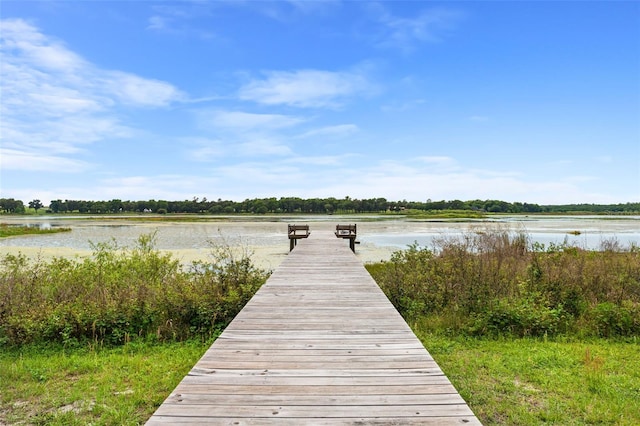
<point x="293" y="229"/>
<point x="346" y="230"/>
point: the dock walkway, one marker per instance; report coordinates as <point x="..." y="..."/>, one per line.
<point x="318" y="344"/>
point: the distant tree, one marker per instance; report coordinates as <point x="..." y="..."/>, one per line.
<point x="259" y="207"/>
<point x="98" y="207"/>
<point x="114" y="206"/>
<point x="531" y="208"/>
<point x="272" y="204"/>
<point x="162" y="204"/>
<point x="57" y="206"/>
<point x="36" y="205"/>
<point x="10" y="205"/>
<point x="457" y="205"/>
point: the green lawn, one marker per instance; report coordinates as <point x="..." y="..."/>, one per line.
<point x="116" y="386"/>
<point x="515" y="381"/>
<point x="532" y="382"/>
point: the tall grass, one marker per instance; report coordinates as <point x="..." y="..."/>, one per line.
<point x="498" y="283"/>
<point x="119" y="294"/>
<point x="7" y="230"/>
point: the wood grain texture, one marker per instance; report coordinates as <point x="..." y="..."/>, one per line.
<point x="318" y="344"/>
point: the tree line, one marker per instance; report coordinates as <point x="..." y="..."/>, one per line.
<point x="289" y="205"/>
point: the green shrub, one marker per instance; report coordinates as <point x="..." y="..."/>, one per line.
<point x="118" y="295"/>
<point x="497" y="283"/>
<point x="610" y="319"/>
<point x="522" y="318"/>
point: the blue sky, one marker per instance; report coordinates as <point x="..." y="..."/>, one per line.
<point x="519" y="101"/>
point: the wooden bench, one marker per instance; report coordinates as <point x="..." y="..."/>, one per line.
<point x="296" y="232"/>
<point x="348" y="232"/>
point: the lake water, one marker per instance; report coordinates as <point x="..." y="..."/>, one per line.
<point x="266" y="237"/>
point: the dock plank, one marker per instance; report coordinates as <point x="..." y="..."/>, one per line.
<point x="318" y="344"/>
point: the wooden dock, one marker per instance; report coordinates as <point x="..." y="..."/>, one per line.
<point x="318" y="344"/>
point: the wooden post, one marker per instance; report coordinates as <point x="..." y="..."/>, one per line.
<point x="348" y="232"/>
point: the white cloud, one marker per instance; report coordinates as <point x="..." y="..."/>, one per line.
<point x="259" y="178"/>
<point x="401" y="106"/>
<point x="560" y="163"/>
<point x="329" y="176"/>
<point x="405" y="33"/>
<point x="22" y="39"/>
<point x="54" y="102"/>
<point x="157" y="22"/>
<point x="289" y="10"/>
<point x="245" y="145"/>
<point x="399" y="180"/>
<point x="241" y="134"/>
<point x="159" y="187"/>
<point x="305" y="88"/>
<point x="337" y="131"/>
<point x="246" y="121"/>
<point x="442" y="161"/>
<point x="204" y="149"/>
<point x="135" y="90"/>
<point x="325" y="160"/>
<point x="307" y="7"/>
<point x="180" y="19"/>
<point x="66" y="101"/>
<point x="260" y="146"/>
<point x="13" y="159"/>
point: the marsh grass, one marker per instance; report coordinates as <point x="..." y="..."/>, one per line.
<point x="496" y="283"/>
<point x="7" y="230"/>
<point x="443" y="214"/>
<point x="118" y="295"/>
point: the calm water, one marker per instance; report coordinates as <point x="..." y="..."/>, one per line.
<point x="268" y="237"/>
<point x="585" y="231"/>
